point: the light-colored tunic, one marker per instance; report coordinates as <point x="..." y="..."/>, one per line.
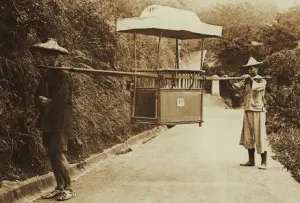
<point x="254" y="129"/>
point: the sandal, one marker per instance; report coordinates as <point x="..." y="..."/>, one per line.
<point x="65" y="195"/>
<point x="52" y="194"/>
<point x="248" y="164"/>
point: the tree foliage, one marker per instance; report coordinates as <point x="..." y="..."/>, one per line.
<point x="87" y="29"/>
<point x="280" y="52"/>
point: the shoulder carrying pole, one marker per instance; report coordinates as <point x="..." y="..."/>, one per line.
<point x="167" y="74"/>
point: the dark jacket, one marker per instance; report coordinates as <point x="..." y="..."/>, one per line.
<point x="57" y="86"/>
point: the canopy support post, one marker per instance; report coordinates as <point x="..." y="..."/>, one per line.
<point x="177" y="53"/>
<point x="202" y="54"/>
<point x="133" y="94"/>
<point x="202" y="82"/>
<point x="158" y="84"/>
<point x="158" y="51"/>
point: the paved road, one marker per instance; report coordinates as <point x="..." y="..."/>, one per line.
<point x="189" y="164"/>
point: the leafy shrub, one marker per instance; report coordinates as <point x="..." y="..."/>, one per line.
<point x="101" y="105"/>
<point x="286" y="145"/>
<point x="283" y="94"/>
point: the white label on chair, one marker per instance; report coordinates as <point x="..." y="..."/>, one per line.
<point x="180" y="102"/>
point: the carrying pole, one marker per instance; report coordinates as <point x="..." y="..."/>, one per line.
<point x="166" y="75"/>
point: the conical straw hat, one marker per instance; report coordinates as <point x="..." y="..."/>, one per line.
<point x="50" y="45"/>
<point x="252" y="62"/>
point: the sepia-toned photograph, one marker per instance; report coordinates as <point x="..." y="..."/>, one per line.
<point x="150" y="101"/>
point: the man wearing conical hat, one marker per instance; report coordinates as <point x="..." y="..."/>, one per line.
<point x="253" y="134"/>
<point x="53" y="100"/>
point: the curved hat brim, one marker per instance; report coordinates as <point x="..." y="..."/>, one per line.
<point x="253" y="64"/>
<point x="62" y="52"/>
<point x="51" y="46"/>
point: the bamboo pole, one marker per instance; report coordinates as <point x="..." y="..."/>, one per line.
<point x="158" y="84"/>
<point x="133" y="94"/>
<point x="166" y="75"/>
<point x="135" y="62"/>
<point x="233" y="78"/>
<point x="201" y="82"/>
<point x="158" y="51"/>
<point x="177" y="54"/>
<point x="202" y="54"/>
